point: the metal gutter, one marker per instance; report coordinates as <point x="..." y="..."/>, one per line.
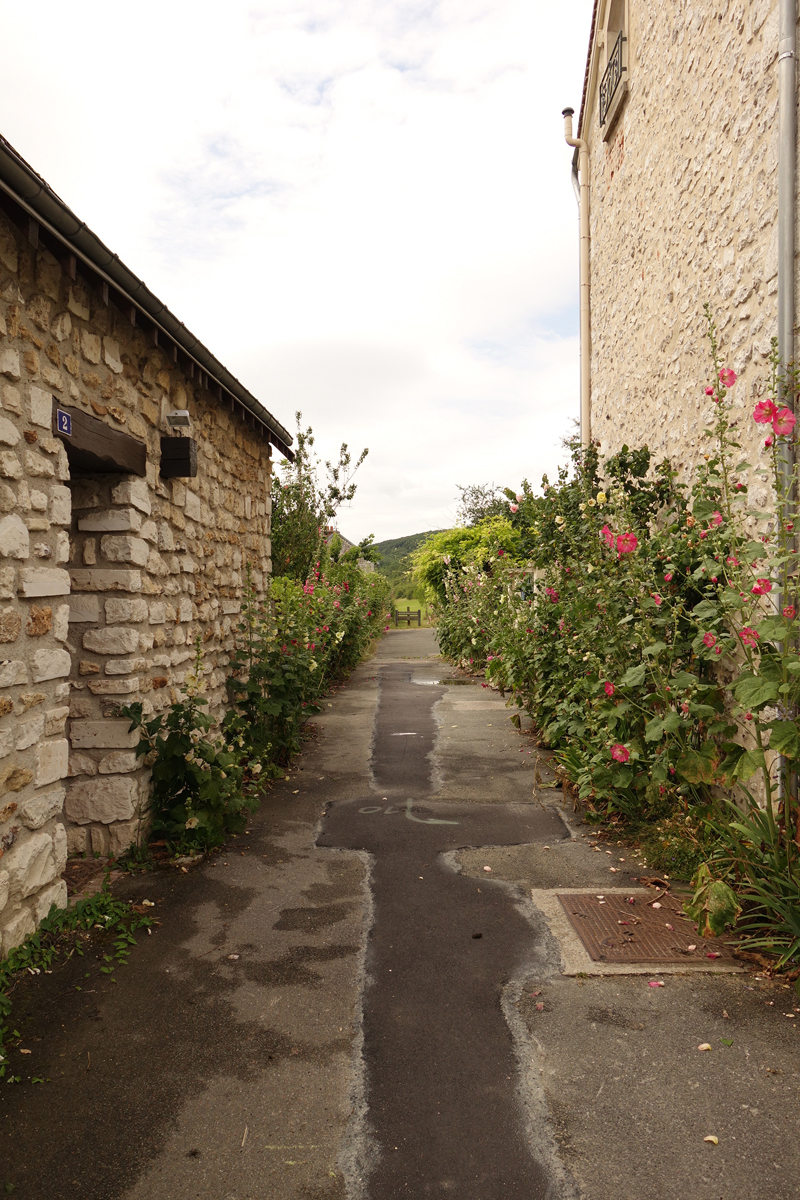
<point x="19" y="181"/>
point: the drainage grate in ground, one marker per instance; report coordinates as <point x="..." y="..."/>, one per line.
<point x="628" y="929"/>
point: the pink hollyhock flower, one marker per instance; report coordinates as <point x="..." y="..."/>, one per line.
<point x="520" y="497"/>
<point x="709" y="640"/>
<point x="733" y="561"/>
<point x="717" y="650"/>
<point x="609" y="689"/>
<point x="514" y="507"/>
<point x="713" y="579"/>
<point x="668" y="577"/>
<point x="709" y="391"/>
<point x="656" y="598"/>
<point x="749" y="636"/>
<point x="768" y="441"/>
<point x="716" y="519"/>
<point x="552" y="595"/>
<point x="703" y="533"/>
<point x="784" y="421"/>
<point x="608" y="536"/>
<point x="790" y="612"/>
<point x="764" y="412"/>
<point x="761" y="587"/>
<point x="619" y="753"/>
<point x="684" y="708"/>
<point x="626" y="543"/>
<point x="727" y="377"/>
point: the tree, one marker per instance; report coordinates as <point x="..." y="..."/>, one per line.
<point x="303" y="507"/>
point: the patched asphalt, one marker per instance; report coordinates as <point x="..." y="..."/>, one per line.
<point x="259" y="1047"/>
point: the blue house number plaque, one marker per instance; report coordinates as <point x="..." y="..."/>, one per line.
<point x="64" y="422"/>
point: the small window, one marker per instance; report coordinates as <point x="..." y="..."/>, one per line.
<point x="614" y="83"/>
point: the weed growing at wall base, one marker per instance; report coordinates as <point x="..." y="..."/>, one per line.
<point x="63" y="933"/>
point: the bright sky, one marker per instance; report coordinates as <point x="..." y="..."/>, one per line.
<point x="362" y="207"/>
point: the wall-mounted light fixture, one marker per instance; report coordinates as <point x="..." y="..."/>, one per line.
<point x="179" y="419"/>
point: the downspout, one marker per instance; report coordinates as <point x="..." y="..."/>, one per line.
<point x="787" y="155"/>
<point x="787" y="163"/>
<point x="580" y="182"/>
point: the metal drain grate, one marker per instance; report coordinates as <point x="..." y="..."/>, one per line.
<point x="627" y="929"/>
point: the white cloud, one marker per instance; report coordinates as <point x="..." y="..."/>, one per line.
<point x="363" y="207"/>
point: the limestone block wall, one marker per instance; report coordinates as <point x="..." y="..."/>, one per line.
<point x="684" y="210"/>
<point x="106" y="580"/>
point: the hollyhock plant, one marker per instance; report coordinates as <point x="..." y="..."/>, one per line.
<point x="709" y="640"/>
<point x="620" y="753"/>
<point x="608" y="536"/>
<point x="709" y="391"/>
<point x="765" y="411"/>
<point x="790" y="612"/>
<point x="609" y="689"/>
<point x="626" y="543"/>
<point x="668" y="577"/>
<point x="514" y="507"/>
<point x="749" y="635"/>
<point x="727" y="377"/>
<point x="761" y="587"/>
<point x="656" y="599"/>
<point x="716" y="519"/>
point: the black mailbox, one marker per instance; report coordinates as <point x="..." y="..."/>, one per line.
<point x="178" y="458"/>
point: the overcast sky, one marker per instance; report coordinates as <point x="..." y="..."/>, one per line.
<point x="362" y="207"/>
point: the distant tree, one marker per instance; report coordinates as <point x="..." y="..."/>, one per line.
<point x="479" y="501"/>
<point x="303" y="506"/>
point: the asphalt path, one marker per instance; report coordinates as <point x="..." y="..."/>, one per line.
<point x="444" y="1113"/>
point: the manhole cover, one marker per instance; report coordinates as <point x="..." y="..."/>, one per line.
<point x="627" y="929"/>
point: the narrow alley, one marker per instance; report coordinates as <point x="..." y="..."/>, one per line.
<point x="368" y="996"/>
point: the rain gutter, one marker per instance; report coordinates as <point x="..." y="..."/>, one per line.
<point x="32" y="194"/>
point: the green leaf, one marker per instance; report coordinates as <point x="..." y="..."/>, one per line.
<point x="713" y="905"/>
<point x="634" y="676"/>
<point x="785" y="738"/>
<point x="773" y="629"/>
<point x="705" y="610"/>
<point x="698" y="766"/>
<point x="750" y="762"/>
<point x="753" y="691"/>
<point x="655" y="648"/>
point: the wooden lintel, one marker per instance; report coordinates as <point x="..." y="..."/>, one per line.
<point x="95" y="447"/>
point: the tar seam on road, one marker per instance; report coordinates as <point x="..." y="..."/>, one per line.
<point x="448" y="1110"/>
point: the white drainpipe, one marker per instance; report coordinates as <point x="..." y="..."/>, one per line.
<point x="580" y="181"/>
<point x="787" y="164"/>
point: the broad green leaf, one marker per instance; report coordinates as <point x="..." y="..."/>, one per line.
<point x="655" y="648"/>
<point x="634" y="676"/>
<point x="773" y="629"/>
<point x="705" y="610"/>
<point x="752" y="691"/>
<point x="713" y="905"/>
<point x="785" y="738"/>
<point x="697" y="766"/>
<point x="750" y="762"/>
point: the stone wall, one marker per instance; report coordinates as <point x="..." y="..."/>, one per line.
<point x="105" y="580"/>
<point x="683" y="211"/>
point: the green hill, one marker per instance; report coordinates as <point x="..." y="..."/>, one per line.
<point x="394" y="560"/>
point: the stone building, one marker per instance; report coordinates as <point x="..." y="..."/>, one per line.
<point x="121" y="541"/>
<point x="679" y="110"/>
